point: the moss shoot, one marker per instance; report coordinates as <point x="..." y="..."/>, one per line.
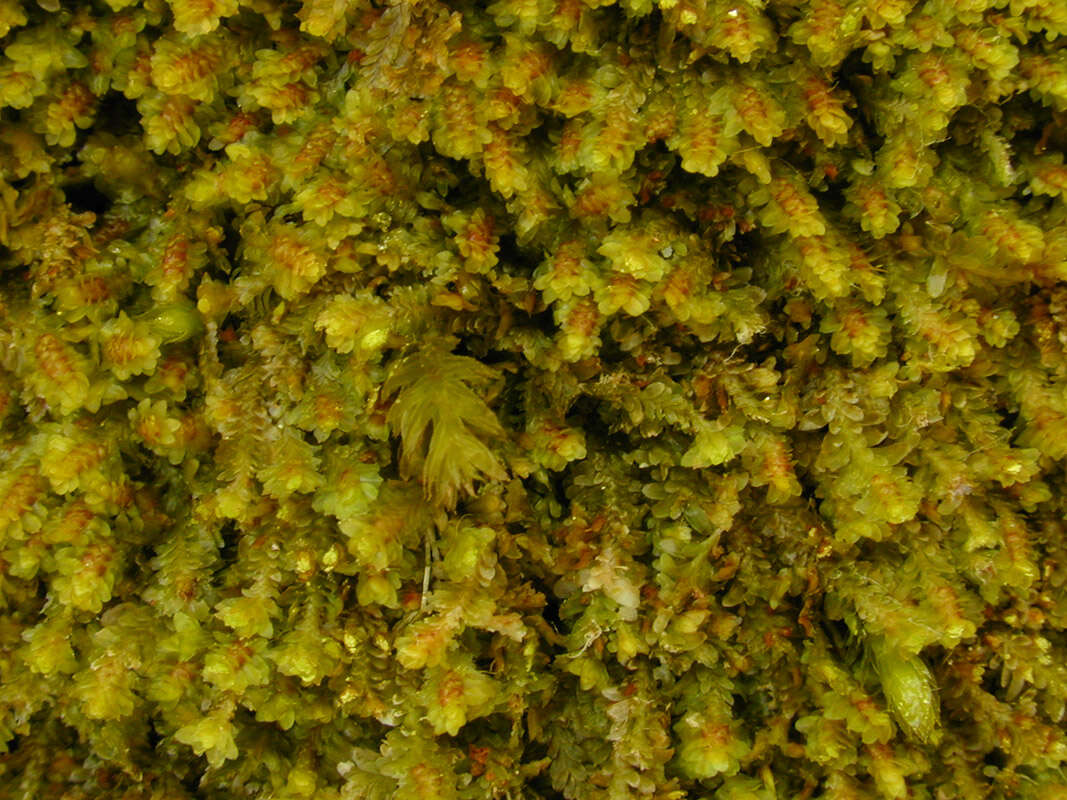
<point x="533" y="400"/>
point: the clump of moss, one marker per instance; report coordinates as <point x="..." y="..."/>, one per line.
<point x="536" y="399"/>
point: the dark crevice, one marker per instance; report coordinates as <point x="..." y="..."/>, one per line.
<point x="231" y="540"/>
<point x="550" y="613"/>
<point x="1009" y="419"/>
<point x="838" y="633"/>
<point x="84" y="196"/>
<point x="153" y="737"/>
<point x="809" y="488"/>
<point x="543" y="788"/>
<point x="231" y="240"/>
<point x="996" y="758"/>
<point x="117" y="114"/>
<point x="515" y="259"/>
<point x="588" y="413"/>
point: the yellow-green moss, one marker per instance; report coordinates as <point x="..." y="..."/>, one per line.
<point x="539" y="399"/>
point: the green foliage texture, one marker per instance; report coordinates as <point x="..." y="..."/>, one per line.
<point x="533" y="399"/>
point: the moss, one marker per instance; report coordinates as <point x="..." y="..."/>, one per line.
<point x="533" y="399"/>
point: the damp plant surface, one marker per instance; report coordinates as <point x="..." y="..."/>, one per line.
<point x="533" y="400"/>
